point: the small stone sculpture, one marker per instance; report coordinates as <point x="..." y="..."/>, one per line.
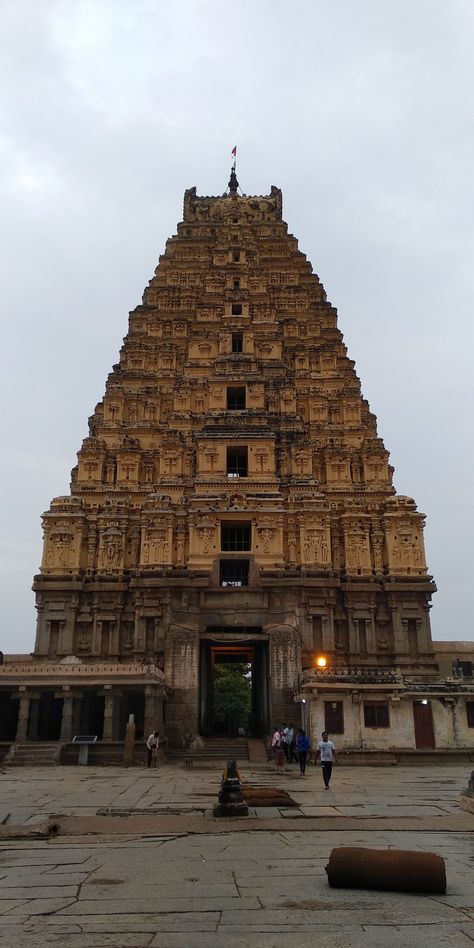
<point x="230" y="798"/>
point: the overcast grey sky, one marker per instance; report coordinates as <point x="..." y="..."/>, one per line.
<point x="360" y="111"/>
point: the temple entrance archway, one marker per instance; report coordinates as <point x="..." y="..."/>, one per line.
<point x="249" y="659"/>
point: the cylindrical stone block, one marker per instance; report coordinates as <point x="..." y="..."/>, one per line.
<point x="397" y="870"/>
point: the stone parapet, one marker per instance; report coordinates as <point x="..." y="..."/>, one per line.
<point x="57" y="672"/>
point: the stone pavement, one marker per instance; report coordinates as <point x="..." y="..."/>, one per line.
<point x="255" y="882"/>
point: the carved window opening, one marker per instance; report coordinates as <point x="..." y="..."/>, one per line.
<point x="376" y="714"/>
<point x="236" y="309"/>
<point x="237" y="462"/>
<point x="236" y="256"/>
<point x="470" y="713"/>
<point x="234" y="573"/>
<point x="237" y="342"/>
<point x="334" y="717"/>
<point x="236" y="537"/>
<point x="462" y="669"/>
<point x="236" y="399"/>
<point x="236" y="283"/>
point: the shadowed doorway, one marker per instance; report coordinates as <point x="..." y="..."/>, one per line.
<point x="233" y="688"/>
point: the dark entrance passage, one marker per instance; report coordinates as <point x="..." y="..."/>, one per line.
<point x="227" y="670"/>
<point x="8" y="716"/>
<point x="423" y="721"/>
<point x="90" y="719"/>
<point x="45" y="718"/>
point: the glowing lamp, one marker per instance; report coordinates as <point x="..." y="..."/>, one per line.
<point x="321" y="662"/>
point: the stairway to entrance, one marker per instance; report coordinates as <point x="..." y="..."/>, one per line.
<point x="225" y="748"/>
<point x="215" y="748"/>
<point x="34" y="754"/>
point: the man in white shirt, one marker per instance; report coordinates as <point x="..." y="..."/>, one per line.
<point x="326" y="752"/>
<point x="152" y="745"/>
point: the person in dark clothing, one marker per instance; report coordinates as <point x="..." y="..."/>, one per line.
<point x="302" y="749"/>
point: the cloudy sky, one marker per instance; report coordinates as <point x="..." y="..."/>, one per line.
<point x="360" y="111"/>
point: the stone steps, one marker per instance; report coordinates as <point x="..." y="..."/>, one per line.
<point x="34" y="754"/>
<point x="215" y="748"/>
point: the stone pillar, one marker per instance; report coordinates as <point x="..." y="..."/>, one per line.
<point x="327" y="633"/>
<point x="371" y="630"/>
<point x="424" y="637"/>
<point x="108" y="732"/>
<point x="329" y="628"/>
<point x="41" y="641"/>
<point x="357" y="712"/>
<point x="151" y="710"/>
<point x="353" y="634"/>
<point x="23" y="714"/>
<point x="450" y="737"/>
<point x="139" y="634"/>
<point x="400" y="644"/>
<point x="96" y="635"/>
<point x="66" y="722"/>
<point x="66" y="634"/>
<point x="129" y="747"/>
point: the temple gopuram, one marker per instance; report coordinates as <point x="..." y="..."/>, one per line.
<point x="233" y="503"/>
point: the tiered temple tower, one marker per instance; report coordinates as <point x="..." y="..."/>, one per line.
<point x="233" y="492"/>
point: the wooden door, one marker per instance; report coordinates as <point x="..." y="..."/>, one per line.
<point x="424" y="730"/>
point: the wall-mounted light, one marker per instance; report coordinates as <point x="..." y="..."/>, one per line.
<point x="321" y="661"/>
<point x="424" y="701"/>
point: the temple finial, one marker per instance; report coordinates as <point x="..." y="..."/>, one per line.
<point x="233" y="183"/>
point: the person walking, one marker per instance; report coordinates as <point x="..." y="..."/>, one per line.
<point x="326" y="752"/>
<point x="285" y="741"/>
<point x="277" y="747"/>
<point x="291" y="745"/>
<point x="152" y="746"/>
<point x="302" y="749"/>
<point x="276" y="740"/>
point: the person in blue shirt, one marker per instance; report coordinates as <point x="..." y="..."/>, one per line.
<point x="302" y="749"/>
